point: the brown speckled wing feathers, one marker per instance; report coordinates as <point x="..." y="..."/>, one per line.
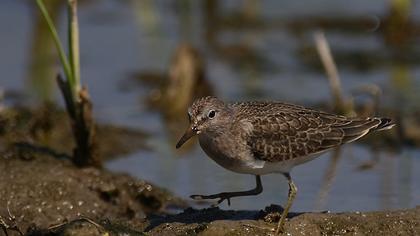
<point x="282" y="131"/>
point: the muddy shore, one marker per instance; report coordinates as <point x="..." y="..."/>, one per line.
<point x="49" y="196"/>
<point x="43" y="193"/>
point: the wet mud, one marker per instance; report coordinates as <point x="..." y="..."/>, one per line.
<point x="43" y="193"/>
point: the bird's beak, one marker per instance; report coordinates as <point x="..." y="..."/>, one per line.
<point x="191" y="131"/>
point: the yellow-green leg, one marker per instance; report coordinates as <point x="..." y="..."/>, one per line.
<point x="291" y="197"/>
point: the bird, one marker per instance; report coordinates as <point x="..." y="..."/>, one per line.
<point x="264" y="137"/>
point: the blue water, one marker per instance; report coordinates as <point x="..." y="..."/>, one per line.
<point x="391" y="183"/>
<point x="118" y="38"/>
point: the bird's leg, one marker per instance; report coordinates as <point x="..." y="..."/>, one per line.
<point x="291" y="197"/>
<point x="227" y="195"/>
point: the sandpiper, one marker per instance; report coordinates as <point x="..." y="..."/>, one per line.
<point x="269" y="137"/>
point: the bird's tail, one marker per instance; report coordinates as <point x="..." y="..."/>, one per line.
<point x="385" y="124"/>
<point x="358" y="128"/>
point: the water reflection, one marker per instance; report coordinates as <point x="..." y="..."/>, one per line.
<point x="398" y="27"/>
<point x="351" y="190"/>
<point x="233" y="39"/>
<point x="328" y="180"/>
<point x="42" y="54"/>
<point x="405" y="175"/>
<point x="252" y="50"/>
<point x="186" y="81"/>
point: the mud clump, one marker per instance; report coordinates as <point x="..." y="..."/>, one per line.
<point x="47" y="129"/>
<point x="45" y="191"/>
<point x="214" y="221"/>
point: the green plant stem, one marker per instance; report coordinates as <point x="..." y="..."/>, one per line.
<point x="61" y="52"/>
<point x="74" y="52"/>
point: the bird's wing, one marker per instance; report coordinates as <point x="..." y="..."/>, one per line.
<point x="283" y="131"/>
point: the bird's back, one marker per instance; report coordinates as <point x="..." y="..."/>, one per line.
<point x="280" y="131"/>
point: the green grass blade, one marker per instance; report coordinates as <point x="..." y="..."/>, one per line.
<point x="74" y="48"/>
<point x="60" y="49"/>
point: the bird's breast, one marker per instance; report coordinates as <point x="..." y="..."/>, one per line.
<point x="223" y="151"/>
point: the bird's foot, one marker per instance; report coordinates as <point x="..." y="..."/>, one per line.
<point x="221" y="196"/>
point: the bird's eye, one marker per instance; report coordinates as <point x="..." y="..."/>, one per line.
<point x="211" y="114"/>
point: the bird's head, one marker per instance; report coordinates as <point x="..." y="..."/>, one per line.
<point x="207" y="114"/>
